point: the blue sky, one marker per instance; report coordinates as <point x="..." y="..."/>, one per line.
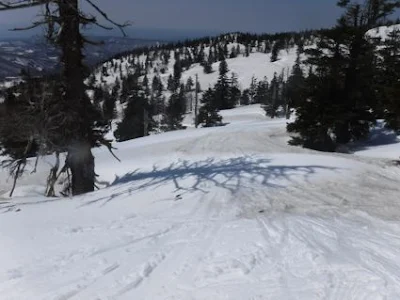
<point x="209" y="15"/>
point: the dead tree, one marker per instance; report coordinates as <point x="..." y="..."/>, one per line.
<point x="29" y="123"/>
<point x="78" y="129"/>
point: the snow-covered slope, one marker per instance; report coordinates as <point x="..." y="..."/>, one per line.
<point x="220" y="213"/>
<point x="383" y="31"/>
<point x="257" y="65"/>
<point x="249" y="63"/>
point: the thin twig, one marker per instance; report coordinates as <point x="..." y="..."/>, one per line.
<point x="105" y="16"/>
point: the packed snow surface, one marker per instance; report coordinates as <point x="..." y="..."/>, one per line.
<point x="221" y="213"/>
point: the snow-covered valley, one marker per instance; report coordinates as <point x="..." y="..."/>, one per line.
<point x="221" y="213"/>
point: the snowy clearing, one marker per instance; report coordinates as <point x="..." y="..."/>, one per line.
<point x="221" y="213"/>
<point x="257" y="65"/>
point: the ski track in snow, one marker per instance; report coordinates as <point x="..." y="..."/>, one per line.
<point x="215" y="219"/>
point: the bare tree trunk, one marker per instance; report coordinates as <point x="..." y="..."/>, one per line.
<point x="15" y="179"/>
<point x="191" y="101"/>
<point x="77" y="126"/>
<point x="52" y="179"/>
<point x="145" y="122"/>
<point x="21" y="163"/>
<point x="81" y="163"/>
<point x="196" y="123"/>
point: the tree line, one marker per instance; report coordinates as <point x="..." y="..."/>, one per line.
<point x="352" y="80"/>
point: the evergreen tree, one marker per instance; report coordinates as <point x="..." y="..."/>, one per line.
<point x="233" y="54"/>
<point x="221" y="53"/>
<point x="145" y="86"/>
<point x="200" y="56"/>
<point x="171" y="84"/>
<point x="388" y="82"/>
<point x="313" y="121"/>
<point x="245" y="98"/>
<point x="295" y="84"/>
<point x="117" y="83"/>
<point x="272" y="103"/>
<point x="253" y="89"/>
<point x="166" y="55"/>
<point x="177" y="73"/>
<point x="133" y="123"/>
<point x="98" y="95"/>
<point x="137" y="120"/>
<point x="222" y="88"/>
<point x="234" y="91"/>
<point x="207" y="67"/>
<point x="208" y="114"/>
<point x="237" y="50"/>
<point x="341" y="95"/>
<point x="189" y="84"/>
<point x="108" y="107"/>
<point x="104" y="71"/>
<point x="156" y="84"/>
<point x="189" y="88"/>
<point x="158" y="100"/>
<point x="261" y="93"/>
<point x="275" y="51"/>
<point x="198" y="87"/>
<point x="128" y="84"/>
<point x="174" y="111"/>
<point x="225" y="50"/>
<point x="267" y="47"/>
<point x="247" y="51"/>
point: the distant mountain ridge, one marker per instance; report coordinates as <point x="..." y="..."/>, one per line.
<point x="41" y="57"/>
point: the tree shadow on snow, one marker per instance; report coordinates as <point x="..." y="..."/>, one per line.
<point x="202" y="176"/>
<point x="379" y="136"/>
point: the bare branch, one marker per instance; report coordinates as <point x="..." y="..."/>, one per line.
<point x="34" y="25"/>
<point x="52" y="179"/>
<point x="105" y="16"/>
<point x="36" y="164"/>
<point x="109" y="146"/>
<point x="21" y="163"/>
<point x="103" y="26"/>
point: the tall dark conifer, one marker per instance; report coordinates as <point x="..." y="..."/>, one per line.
<point x="208" y="114"/>
<point x="388" y="82"/>
<point x="341" y="95"/>
<point x="175" y="110"/>
<point x="222" y="99"/>
<point x="296" y="84"/>
<point x="137" y="114"/>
